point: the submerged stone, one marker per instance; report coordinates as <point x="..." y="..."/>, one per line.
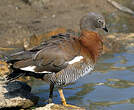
<point x="16" y="94"/>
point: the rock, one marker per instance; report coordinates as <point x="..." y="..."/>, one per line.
<point x="3" y="68"/>
<point x="117" y="42"/>
<point x="6" y="70"/>
<point x="35" y="40"/>
<point x="14" y="37"/>
<point x="16" y="94"/>
<point x="121" y="7"/>
<point x="37" y="3"/>
<point x="53" y="106"/>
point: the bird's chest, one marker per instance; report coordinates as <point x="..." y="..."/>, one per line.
<point x="74" y="72"/>
<point x="84" y="68"/>
<point x="80" y="65"/>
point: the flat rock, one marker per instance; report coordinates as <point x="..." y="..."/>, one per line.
<point x="16" y="94"/>
<point x="53" y="106"/>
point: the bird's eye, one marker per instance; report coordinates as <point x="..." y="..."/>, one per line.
<point x="99" y="21"/>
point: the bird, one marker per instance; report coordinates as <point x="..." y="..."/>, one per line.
<point x="64" y="58"/>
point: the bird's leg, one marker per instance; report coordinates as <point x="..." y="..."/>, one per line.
<point x="51" y="93"/>
<point x="63" y="100"/>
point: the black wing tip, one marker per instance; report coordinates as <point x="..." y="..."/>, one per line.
<point x="14" y="76"/>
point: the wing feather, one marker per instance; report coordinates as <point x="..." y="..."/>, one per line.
<point x="51" y="55"/>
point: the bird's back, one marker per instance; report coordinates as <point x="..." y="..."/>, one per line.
<point x="51" y="55"/>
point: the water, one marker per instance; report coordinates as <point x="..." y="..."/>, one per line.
<point x="109" y="87"/>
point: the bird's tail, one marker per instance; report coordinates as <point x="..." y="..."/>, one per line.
<point x="17" y="61"/>
<point x="18" y="73"/>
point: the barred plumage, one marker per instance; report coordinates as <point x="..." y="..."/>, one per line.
<point x="70" y="75"/>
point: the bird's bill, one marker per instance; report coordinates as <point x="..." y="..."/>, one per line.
<point x="105" y="29"/>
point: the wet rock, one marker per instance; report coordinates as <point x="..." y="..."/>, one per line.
<point x="57" y="107"/>
<point x="16" y="94"/>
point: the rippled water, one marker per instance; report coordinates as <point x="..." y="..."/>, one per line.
<point x="109" y="87"/>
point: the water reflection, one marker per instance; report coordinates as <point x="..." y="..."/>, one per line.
<point x="84" y="90"/>
<point x="118" y="83"/>
<point x="106" y="104"/>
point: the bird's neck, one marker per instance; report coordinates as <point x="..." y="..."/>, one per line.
<point x="92" y="43"/>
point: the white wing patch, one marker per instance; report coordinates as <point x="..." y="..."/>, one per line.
<point x="29" y="68"/>
<point x="32" y="68"/>
<point x="76" y="59"/>
<point x="45" y="72"/>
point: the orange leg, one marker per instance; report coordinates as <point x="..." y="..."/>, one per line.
<point x="63" y="100"/>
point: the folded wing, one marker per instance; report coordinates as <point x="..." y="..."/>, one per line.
<point x="51" y="55"/>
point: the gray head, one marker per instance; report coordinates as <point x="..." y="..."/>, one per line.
<point x="92" y="21"/>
